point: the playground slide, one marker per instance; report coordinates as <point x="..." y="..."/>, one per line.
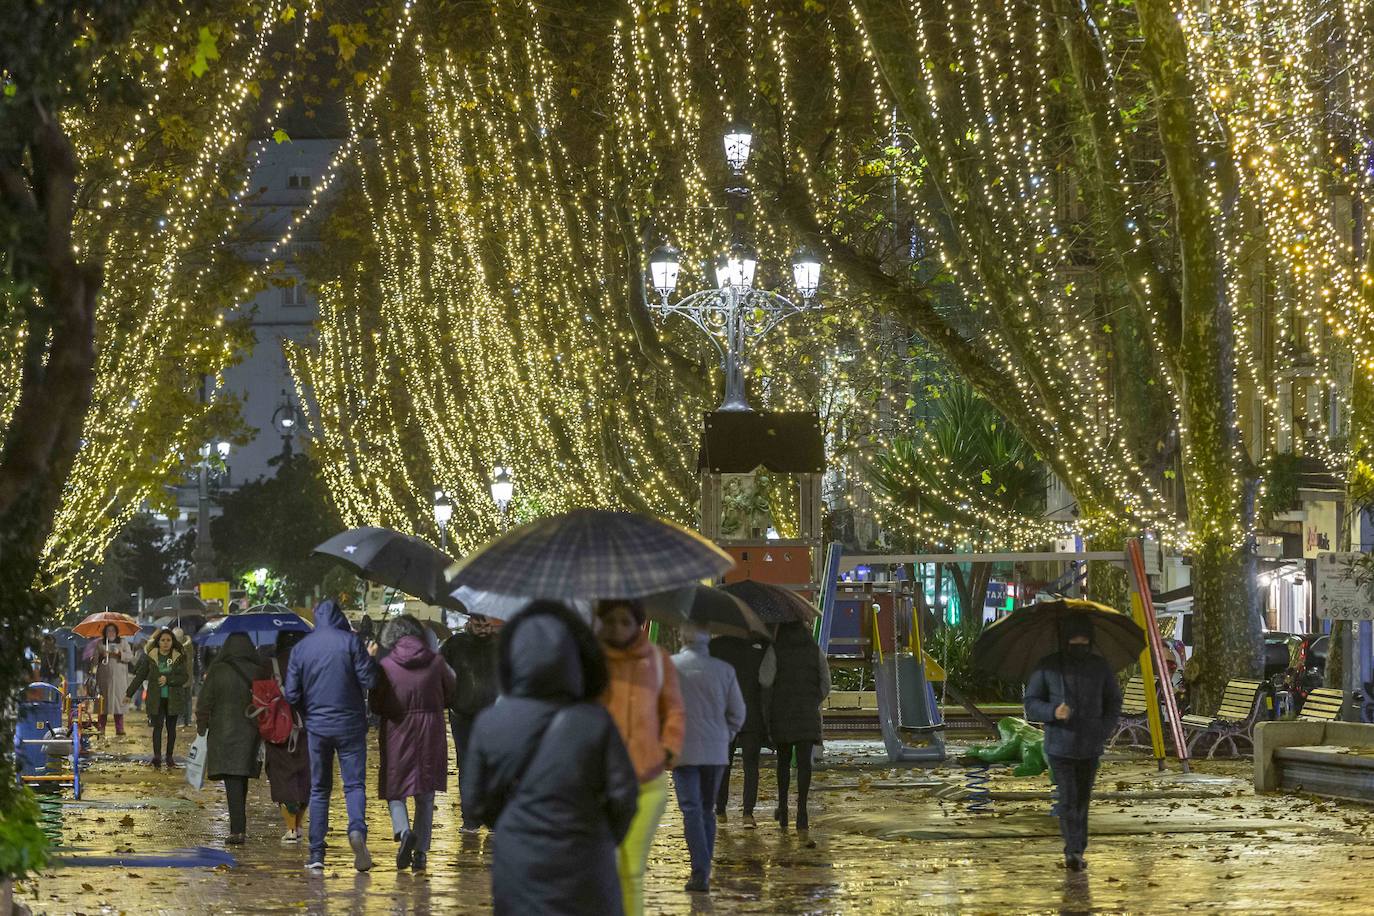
<point x="906" y="701"/>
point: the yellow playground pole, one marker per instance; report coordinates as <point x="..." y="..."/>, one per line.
<point x="1147" y="676"/>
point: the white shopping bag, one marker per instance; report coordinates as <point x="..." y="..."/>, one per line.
<point x="194" y="765"/>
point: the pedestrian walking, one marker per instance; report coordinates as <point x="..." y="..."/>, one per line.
<point x="714" y="713"/>
<point x="165" y="668"/>
<point x="1075" y="694"/>
<point x="52" y="661"/>
<point x="796" y="675"/>
<point x="547" y="771"/>
<point x="327" y="681"/>
<point x="643" y="698"/>
<point x="112" y="677"/>
<point x="414" y="689"/>
<point x="474" y="655"/>
<point x="231" y="754"/>
<point x="287" y="763"/>
<point x="745" y="656"/>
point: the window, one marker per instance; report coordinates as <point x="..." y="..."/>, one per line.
<point x="298" y="181"/>
<point x="296" y="295"/>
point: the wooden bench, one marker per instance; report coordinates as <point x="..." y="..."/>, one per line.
<point x="1234" y="721"/>
<point x="1133" y="720"/>
<point x="1323" y="705"/>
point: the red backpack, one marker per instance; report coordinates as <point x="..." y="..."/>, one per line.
<point x="276" y="722"/>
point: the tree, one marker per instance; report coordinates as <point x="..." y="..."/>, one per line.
<point x="275" y="523"/>
<point x="50" y="294"/>
<point x="138" y="561"/>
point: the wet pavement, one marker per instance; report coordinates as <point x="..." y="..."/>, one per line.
<point x="882" y="841"/>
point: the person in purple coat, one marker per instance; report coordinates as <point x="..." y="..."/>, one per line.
<point x="414" y="690"/>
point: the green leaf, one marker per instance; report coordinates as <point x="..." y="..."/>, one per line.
<point x="910" y="403"/>
<point x="288" y="13"/>
<point x="1169" y="474"/>
<point x="207" y="49"/>
<point x="10" y="90"/>
<point x="987" y="476"/>
<point x="281" y="136"/>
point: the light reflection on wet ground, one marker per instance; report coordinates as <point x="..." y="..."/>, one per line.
<point x="882" y="842"/>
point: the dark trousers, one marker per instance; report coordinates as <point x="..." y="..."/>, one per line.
<point x="352" y="753"/>
<point x="749" y="747"/>
<point x="461" y="726"/>
<point x="1074" y="779"/>
<point x="696" y="788"/>
<point x="236" y="792"/>
<point x="170" y="722"/>
<point x="802" y="749"/>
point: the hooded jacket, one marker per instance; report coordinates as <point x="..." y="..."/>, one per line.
<point x="547" y="770"/>
<point x="1089" y="687"/>
<point x="798" y="678"/>
<point x="329" y="675"/>
<point x="414" y="688"/>
<point x="232" y="743"/>
<point x="646" y="704"/>
<point x="745" y="656"/>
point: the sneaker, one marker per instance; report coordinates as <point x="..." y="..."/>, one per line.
<point x="315" y="864"/>
<point x="749" y="822"/>
<point x="362" y="859"/>
<point x="235" y="839"/>
<point x="290" y="837"/>
<point x="470" y="831"/>
<point x="697" y="886"/>
<point x="417" y="864"/>
<point x="406" y="853"/>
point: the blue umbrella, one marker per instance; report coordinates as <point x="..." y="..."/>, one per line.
<point x="261" y="627"/>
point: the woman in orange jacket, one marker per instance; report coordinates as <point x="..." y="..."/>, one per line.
<point x="644" y="701"/>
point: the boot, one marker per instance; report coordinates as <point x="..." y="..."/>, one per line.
<point x="119" y="726"/>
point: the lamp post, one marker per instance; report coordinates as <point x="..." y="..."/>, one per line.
<point x="502" y="491"/>
<point x="284" y="420"/>
<point x="203" y="557"/>
<point x="443" y="512"/>
<point x="734" y="314"/>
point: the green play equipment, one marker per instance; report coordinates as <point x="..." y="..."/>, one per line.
<point x="1021" y="741"/>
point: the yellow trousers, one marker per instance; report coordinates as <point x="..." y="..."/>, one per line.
<point x="633" y="855"/>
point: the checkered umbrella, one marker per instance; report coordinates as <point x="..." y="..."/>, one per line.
<point x="590" y="554"/>
<point x="773" y="603"/>
<point x="388" y="557"/>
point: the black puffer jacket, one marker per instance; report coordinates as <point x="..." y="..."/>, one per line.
<point x="745" y="655"/>
<point x="1090" y="689"/>
<point x="801" y="683"/>
<point x="475" y="661"/>
<point x="547" y="770"/>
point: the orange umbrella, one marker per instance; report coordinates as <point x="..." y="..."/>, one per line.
<point x="93" y="627"/>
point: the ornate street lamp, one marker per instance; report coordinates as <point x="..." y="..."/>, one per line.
<point x="443" y="512"/>
<point x="502" y="490"/>
<point x="738" y="139"/>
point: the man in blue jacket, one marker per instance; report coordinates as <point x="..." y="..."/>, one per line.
<point x="328" y="678"/>
<point x="1074" y="693"/>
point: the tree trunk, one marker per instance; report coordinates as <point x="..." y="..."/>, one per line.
<point x="1226" y="621"/>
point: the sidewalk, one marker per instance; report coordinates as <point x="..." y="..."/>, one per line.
<point x="883" y="841"/>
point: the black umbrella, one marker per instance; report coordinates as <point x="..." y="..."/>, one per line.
<point x="405" y="563"/>
<point x="716" y="610"/>
<point x="1014" y="645"/>
<point x="773" y="603"/>
<point x="176" y="605"/>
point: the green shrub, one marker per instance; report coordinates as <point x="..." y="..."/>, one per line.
<point x="952" y="646"/>
<point x="23" y="845"/>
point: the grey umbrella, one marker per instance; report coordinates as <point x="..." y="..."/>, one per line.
<point x="176" y="605"/>
<point x="405" y="563"/>
<point x="773" y="603"/>
<point x="591" y="554"/>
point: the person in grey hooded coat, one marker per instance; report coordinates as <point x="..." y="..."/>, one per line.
<point x="547" y="771"/>
<point x="1075" y="694"/>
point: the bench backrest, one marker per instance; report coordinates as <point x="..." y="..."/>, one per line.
<point x="1323" y="705"/>
<point x="1133" y="697"/>
<point x="1240" y="702"/>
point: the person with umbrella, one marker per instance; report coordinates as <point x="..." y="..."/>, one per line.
<point x="112" y="676"/>
<point x="745" y="655"/>
<point x="714" y="713"/>
<point x="643" y="697"/>
<point x="411" y="695"/>
<point x="796" y="673"/>
<point x="1075" y="694"/>
<point x="327" y="680"/>
<point x="164" y="667"/>
<point x="474" y="656"/>
<point x="233" y="741"/>
<point x="547" y="771"/>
